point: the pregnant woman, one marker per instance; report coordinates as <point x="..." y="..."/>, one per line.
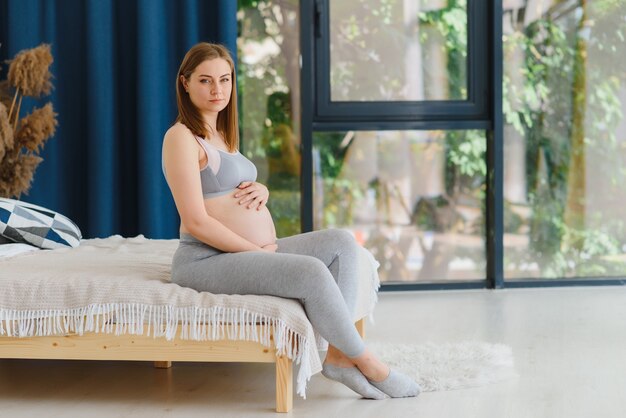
<point x="228" y="241"/>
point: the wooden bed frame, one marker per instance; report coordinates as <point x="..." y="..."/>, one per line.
<point x="101" y="346"/>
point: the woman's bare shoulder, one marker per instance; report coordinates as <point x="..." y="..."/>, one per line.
<point x="178" y="134"/>
<point x="178" y="130"/>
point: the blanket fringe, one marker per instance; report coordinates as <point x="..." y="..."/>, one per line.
<point x="201" y="324"/>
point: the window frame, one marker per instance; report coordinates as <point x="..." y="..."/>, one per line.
<point x="472" y="113"/>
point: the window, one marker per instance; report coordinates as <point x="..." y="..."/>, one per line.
<point x="564" y="141"/>
<point x="398" y="107"/>
<point x="381" y="62"/>
<point x="415" y="199"/>
<point x="269" y="90"/>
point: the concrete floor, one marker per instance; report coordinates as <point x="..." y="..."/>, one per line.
<point x="569" y="346"/>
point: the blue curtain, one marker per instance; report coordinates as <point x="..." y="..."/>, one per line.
<point x="114" y="69"/>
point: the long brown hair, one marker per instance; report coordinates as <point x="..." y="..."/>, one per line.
<point x="188" y="114"/>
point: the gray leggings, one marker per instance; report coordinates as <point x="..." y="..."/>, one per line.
<point x="318" y="268"/>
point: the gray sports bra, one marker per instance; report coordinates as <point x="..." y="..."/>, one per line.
<point x="233" y="169"/>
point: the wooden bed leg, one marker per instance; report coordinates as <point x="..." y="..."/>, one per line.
<point x="162" y="364"/>
<point x="284" y="384"/>
<point x="360" y="326"/>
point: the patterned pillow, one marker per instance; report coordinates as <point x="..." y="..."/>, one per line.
<point x="34" y="225"/>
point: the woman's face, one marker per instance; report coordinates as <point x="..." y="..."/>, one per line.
<point x="210" y="85"/>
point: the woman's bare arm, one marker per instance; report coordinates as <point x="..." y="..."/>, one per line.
<point x="180" y="157"/>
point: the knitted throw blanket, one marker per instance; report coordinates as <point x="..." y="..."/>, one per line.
<point x="122" y="286"/>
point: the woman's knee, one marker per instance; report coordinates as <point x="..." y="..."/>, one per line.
<point x="338" y="237"/>
<point x="342" y="241"/>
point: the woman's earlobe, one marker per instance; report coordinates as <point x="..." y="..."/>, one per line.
<point x="184" y="83"/>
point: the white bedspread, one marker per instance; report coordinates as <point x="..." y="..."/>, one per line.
<point x="122" y="285"/>
<point x="9" y="250"/>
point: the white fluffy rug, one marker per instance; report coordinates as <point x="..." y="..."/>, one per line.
<point x="449" y="366"/>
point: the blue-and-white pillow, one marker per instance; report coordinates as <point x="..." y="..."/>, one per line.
<point x="35" y="225"/>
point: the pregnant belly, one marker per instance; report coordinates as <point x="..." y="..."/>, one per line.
<point x="254" y="225"/>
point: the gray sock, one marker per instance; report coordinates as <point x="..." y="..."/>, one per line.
<point x="352" y="378"/>
<point x="398" y="385"/>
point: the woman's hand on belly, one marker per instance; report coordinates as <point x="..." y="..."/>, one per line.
<point x="254" y="195"/>
<point x="256" y="226"/>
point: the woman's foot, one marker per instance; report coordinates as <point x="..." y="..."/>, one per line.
<point x="374" y="369"/>
<point x="340" y="368"/>
<point x="352" y="378"/>
<point x="398" y="385"/>
<point x="391" y="382"/>
<point x="377" y="374"/>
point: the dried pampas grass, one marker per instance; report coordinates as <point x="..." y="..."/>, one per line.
<point x="28" y="71"/>
<point x="36" y="128"/>
<point x="6" y="133"/>
<point x="16" y="176"/>
<point x="21" y="139"/>
<point x="6" y="93"/>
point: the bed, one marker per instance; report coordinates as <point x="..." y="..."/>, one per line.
<point x="112" y="299"/>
